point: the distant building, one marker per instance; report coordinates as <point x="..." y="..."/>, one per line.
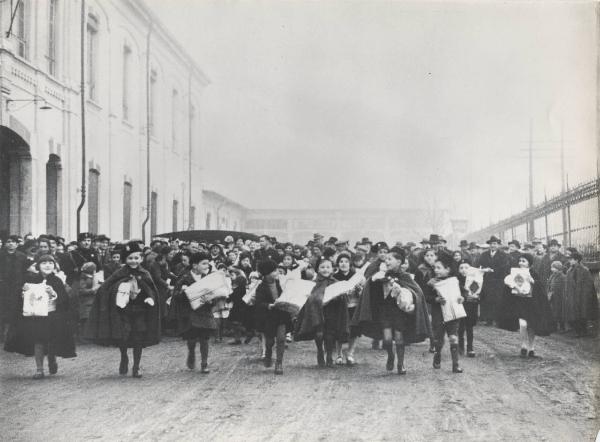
<point x="221" y="213"/>
<point x="40" y="136"/>
<point x="390" y="225"/>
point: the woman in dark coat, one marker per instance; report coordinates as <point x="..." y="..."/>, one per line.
<point x="378" y="316"/>
<point x="137" y="324"/>
<point x="50" y="335"/>
<point x="273" y="323"/>
<point x="530" y="313"/>
<point x="195" y="326"/>
<point x="320" y="323"/>
<point x="581" y="299"/>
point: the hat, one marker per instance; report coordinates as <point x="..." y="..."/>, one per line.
<point x="343" y="255"/>
<point x="464" y="243"/>
<point x="266" y="267"/>
<point x="411" y="244"/>
<point x="492" y="239"/>
<point x="102" y="237"/>
<point x="14" y="238"/>
<point x="576" y="256"/>
<point x="380" y="245"/>
<point x="195" y="258"/>
<point x="400" y="251"/>
<point x="473" y="245"/>
<point x="442" y="239"/>
<point x="83" y="236"/>
<point x="434" y="239"/>
<point x="515" y="242"/>
<point x="130" y="248"/>
<point x="366" y="240"/>
<point x="557" y="265"/>
<point x="553" y="242"/>
<point x="528" y="257"/>
<point x="341" y="243"/>
<point x="399" y="244"/>
<point x="536" y="241"/>
<point x="332" y="240"/>
<point x="424" y="241"/>
<point x="228" y="238"/>
<point x="362" y="248"/>
<point x="45" y="258"/>
<point x="317" y="236"/>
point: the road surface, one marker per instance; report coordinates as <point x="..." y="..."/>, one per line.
<point x="499" y="396"/>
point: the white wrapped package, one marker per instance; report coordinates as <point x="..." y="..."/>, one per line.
<point x="450" y="291"/>
<point x="404" y="298"/>
<point x="213" y="286"/>
<point x="474" y="281"/>
<point x="35" y="300"/>
<point x="519" y="282"/>
<point x="344" y="287"/>
<point x="294" y="296"/>
<point x="123" y="294"/>
<point x="250" y="296"/>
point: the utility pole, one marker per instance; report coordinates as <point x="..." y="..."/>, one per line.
<point x="563" y="186"/>
<point x="82" y="96"/>
<point x="531" y="235"/>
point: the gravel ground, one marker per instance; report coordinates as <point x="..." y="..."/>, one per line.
<point x="499" y="396"/>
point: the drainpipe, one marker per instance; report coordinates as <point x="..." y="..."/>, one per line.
<point x="148" y="208"/>
<point x="82" y="92"/>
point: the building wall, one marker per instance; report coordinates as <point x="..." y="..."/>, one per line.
<point x="221" y="213"/>
<point x="115" y="144"/>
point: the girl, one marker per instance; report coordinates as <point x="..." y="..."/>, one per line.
<point x="556" y="292"/>
<point x="238" y="316"/>
<point x="471" y="307"/>
<point x="443" y="270"/>
<point x="50" y="335"/>
<point x="378" y="315"/>
<point x="344" y="273"/>
<point x="194" y="326"/>
<point x="132" y="323"/>
<point x="272" y="322"/>
<point x="424" y="274"/>
<point x="531" y="311"/>
<point x="221" y="308"/>
<point x="328" y="323"/>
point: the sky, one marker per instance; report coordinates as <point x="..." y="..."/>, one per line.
<point x="356" y="104"/>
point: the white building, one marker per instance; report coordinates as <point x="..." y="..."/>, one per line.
<point x="41" y="149"/>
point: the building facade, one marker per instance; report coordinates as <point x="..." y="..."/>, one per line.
<point x="141" y="89"/>
<point x="221" y="213"/>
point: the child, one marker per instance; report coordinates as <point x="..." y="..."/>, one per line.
<point x="220" y="308"/>
<point x="344" y="273"/>
<point x="238" y="316"/>
<point x="50" y="335"/>
<point x="270" y="321"/>
<point x="194" y="326"/>
<point x="442" y="269"/>
<point x="423" y="275"/>
<point x="556" y="292"/>
<point x="471" y="307"/>
<point x="328" y="323"/>
<point x="132" y="323"/>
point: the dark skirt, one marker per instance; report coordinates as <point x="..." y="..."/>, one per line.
<point x="472" y="311"/>
<point x="275" y="318"/>
<point x="525" y="308"/>
<point x="336" y="320"/>
<point x="354" y="330"/>
<point x="55" y="332"/>
<point x="197" y="333"/>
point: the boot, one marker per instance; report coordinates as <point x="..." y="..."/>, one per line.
<point x="204" y="356"/>
<point x="191" y="358"/>
<point x="279" y="361"/>
<point x="269" y="356"/>
<point x="437" y="358"/>
<point x="320" y="354"/>
<point x="124" y="365"/>
<point x="329" y="344"/>
<point x="454" y="353"/>
<point x="137" y="356"/>
<point x="461" y="345"/>
<point x="400" y="353"/>
<point x="389" y="366"/>
<point x="52" y="365"/>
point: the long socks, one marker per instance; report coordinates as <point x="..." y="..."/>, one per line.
<point x="191" y="359"/>
<point x="137" y="356"/>
<point x="204" y="354"/>
<point x="320" y="355"/>
<point x="124" y="365"/>
<point x="38" y="352"/>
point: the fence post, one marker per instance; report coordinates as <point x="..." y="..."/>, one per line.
<point x="568" y="213"/>
<point x="546" y="217"/>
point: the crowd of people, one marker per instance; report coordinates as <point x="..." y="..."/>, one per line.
<point x="130" y="295"/>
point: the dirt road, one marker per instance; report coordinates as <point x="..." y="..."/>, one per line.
<point x="499" y="397"/>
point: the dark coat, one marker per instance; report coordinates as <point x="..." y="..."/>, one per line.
<point x="70" y="263"/>
<point x="266" y="320"/>
<point x="366" y="315"/>
<point x="54" y="330"/>
<point x="556" y="290"/>
<point x="581" y="299"/>
<point x="105" y="325"/>
<point x="331" y="319"/>
<point x="240" y="311"/>
<point x="13" y="267"/>
<point x="493" y="282"/>
<point x="181" y="312"/>
<point x="541" y="320"/>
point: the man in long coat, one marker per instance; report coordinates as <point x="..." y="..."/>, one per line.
<point x="13" y="265"/>
<point x="493" y="282"/>
<point x="547" y="260"/>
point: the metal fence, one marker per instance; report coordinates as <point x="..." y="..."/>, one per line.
<point x="573" y="218"/>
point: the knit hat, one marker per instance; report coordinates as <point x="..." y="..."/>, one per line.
<point x="195" y="258"/>
<point x="557" y="265"/>
<point x="45" y="258"/>
<point x="130" y="248"/>
<point x="266" y="267"/>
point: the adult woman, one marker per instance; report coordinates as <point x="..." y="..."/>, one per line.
<point x="125" y="312"/>
<point x="526" y="310"/>
<point x="377" y="314"/>
<point x="50" y="335"/>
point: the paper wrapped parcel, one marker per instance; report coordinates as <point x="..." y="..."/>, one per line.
<point x="294" y="296"/>
<point x="474" y="281"/>
<point x="208" y="289"/>
<point x="35" y="300"/>
<point x="450" y="291"/>
<point x="340" y="288"/>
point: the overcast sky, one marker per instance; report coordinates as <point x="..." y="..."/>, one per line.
<point x="343" y="104"/>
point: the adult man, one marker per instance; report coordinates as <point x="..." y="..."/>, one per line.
<point x="514" y="252"/>
<point x="266" y="250"/>
<point x="71" y="262"/>
<point x="464" y="249"/>
<point x="12" y="272"/>
<point x="493" y="282"/>
<point x="547" y="260"/>
<point x="229" y="243"/>
<point x="102" y="243"/>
